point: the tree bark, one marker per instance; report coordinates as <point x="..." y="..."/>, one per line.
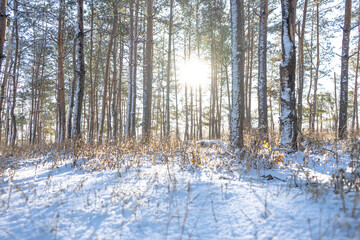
<point x="114" y="112"/>
<point x="6" y="75"/>
<point x="72" y="91"/>
<point x="134" y="71"/>
<point x="76" y="126"/>
<point x="287" y="75"/>
<point x="198" y="38"/>
<point x="169" y="71"/>
<point x="336" y="107"/>
<point x="131" y="104"/>
<point x="316" y="79"/>
<point x="177" y="132"/>
<point x="311" y="72"/>
<point x="248" y="119"/>
<point x="3" y="22"/>
<point x="262" y="84"/>
<point x="213" y="85"/>
<point x="61" y="87"/>
<point x="146" y="124"/>
<point x="355" y="120"/>
<point x="301" y="67"/>
<point x="119" y="100"/>
<point x="92" y="86"/>
<point x="15" y="77"/>
<point x="238" y="60"/>
<point x="344" y="71"/>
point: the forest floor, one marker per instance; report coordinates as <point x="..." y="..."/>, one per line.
<point x="188" y="192"/>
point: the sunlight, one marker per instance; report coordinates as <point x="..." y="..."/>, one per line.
<point x="195" y="72"/>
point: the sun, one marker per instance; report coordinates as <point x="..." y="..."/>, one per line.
<point x="195" y="72"/>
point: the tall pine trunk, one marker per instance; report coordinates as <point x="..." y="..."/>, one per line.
<point x="336" y="119"/>
<point x="344" y="71"/>
<point x="288" y="127"/>
<point x="317" y="66"/>
<point x="61" y="86"/>
<point x="301" y="67"/>
<point x="72" y="91"/>
<point x="238" y="60"/>
<point x="355" y="120"/>
<point x="146" y="124"/>
<point x="131" y="104"/>
<point x="92" y="85"/>
<point x="79" y="95"/>
<point x="177" y="131"/>
<point x="5" y="79"/>
<point x="119" y="101"/>
<point x="114" y="93"/>
<point x="134" y="73"/>
<point x="262" y="84"/>
<point x="3" y="22"/>
<point x="167" y="133"/>
<point x="15" y="78"/>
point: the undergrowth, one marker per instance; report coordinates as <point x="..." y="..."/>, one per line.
<point x="258" y="155"/>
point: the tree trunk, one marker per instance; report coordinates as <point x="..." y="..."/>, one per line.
<point x="336" y="107"/>
<point x="212" y="119"/>
<point x="119" y="101"/>
<point x="272" y="124"/>
<point x="7" y="125"/>
<point x="134" y="66"/>
<point x="238" y="60"/>
<point x="247" y="63"/>
<point x="92" y="86"/>
<point x="146" y="125"/>
<point x="355" y="120"/>
<point x="72" y="91"/>
<point x="311" y="73"/>
<point x="131" y="104"/>
<point x="96" y="80"/>
<point x="186" y="134"/>
<point x="228" y="92"/>
<point x="287" y="75"/>
<point x="15" y="78"/>
<point x="76" y="126"/>
<point x="191" y="113"/>
<point x="176" y="96"/>
<point x="262" y="84"/>
<point x="3" y="22"/>
<point x="316" y="79"/>
<point x="198" y="38"/>
<point x="114" y="93"/>
<point x="169" y="72"/>
<point x="4" y="83"/>
<point x="301" y="68"/>
<point x="344" y="71"/>
<point x="248" y="123"/>
<point x="61" y="87"/>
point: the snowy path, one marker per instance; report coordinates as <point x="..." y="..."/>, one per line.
<point x="162" y="202"/>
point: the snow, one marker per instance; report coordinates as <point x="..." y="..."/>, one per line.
<point x="286" y="118"/>
<point x="151" y="198"/>
<point x="212" y="143"/>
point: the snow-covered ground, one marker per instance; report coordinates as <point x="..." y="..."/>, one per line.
<point x="157" y="197"/>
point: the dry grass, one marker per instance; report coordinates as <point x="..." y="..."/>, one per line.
<point x="258" y="154"/>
